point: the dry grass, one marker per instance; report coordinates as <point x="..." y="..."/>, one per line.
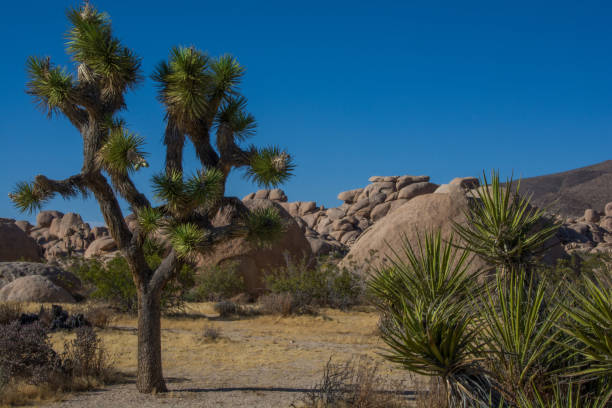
<point x="9" y="312"/>
<point x="259" y="351"/>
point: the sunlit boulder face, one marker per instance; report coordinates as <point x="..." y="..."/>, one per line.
<point x="424" y="213"/>
<point x="251" y="261"/>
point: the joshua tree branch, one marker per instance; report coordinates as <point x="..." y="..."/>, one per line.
<point x="126" y="188"/>
<point x="174" y="140"/>
<point x="69" y="187"/>
<point x="165" y="271"/>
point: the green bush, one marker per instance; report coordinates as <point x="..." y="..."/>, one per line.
<point x="324" y="285"/>
<point x="112" y="281"/>
<point x="217" y="283"/>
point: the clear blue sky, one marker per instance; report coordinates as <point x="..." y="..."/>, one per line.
<point x="351" y="89"/>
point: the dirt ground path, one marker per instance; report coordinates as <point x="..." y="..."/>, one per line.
<point x="263" y="361"/>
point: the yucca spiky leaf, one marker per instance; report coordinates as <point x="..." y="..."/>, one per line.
<point x="27" y="198"/>
<point x="91" y="43"/>
<point x="590" y="323"/>
<point x="122" y="153"/>
<point x="150" y="219"/>
<point x="502" y="227"/>
<point x="521" y="332"/>
<point x="265" y="226"/>
<point x="187" y="239"/>
<point x="269" y="166"/>
<point x="564" y="395"/>
<point x="184" y="83"/>
<point x="51" y="86"/>
<point x="226" y="75"/>
<point x="206" y="187"/>
<point x="170" y="189"/>
<point x="234" y="115"/>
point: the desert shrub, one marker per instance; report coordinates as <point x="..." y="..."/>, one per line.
<point x="84" y="357"/>
<point x="98" y="316"/>
<point x="321" y="285"/>
<point x="9" y="312"/>
<point x="112" y="281"/>
<point x="354" y="383"/>
<point x="277" y="303"/>
<point x="225" y="308"/>
<point x="217" y="283"/>
<point x="26" y="354"/>
<point x="211" y="333"/>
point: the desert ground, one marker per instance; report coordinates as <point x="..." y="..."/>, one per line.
<point x="259" y="361"/>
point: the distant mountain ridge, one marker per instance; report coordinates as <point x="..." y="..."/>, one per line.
<point x="570" y="192"/>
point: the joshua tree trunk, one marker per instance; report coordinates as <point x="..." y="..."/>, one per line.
<point x="150" y="378"/>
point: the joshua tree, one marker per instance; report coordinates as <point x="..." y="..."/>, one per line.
<point x="200" y="95"/>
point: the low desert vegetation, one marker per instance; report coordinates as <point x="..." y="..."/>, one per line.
<point x="30" y="369"/>
<point x="112" y="281"/>
<point x="514" y="339"/>
<point x="217" y="283"/>
<point x="300" y="288"/>
<point x="357" y="382"/>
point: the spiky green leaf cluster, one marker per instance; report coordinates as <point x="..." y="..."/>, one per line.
<point x="502" y="227"/>
<point x="188" y="239"/>
<point x="104" y="59"/>
<point x="190" y="84"/>
<point x="521" y="333"/>
<point x="264" y="226"/>
<point x="269" y="167"/>
<point x="150" y="219"/>
<point x="590" y="322"/>
<point x="27" y="198"/>
<point x="122" y="153"/>
<point x="234" y="115"/>
<point x="205" y="188"/>
<point x="427" y="322"/>
<point x="50" y="86"/>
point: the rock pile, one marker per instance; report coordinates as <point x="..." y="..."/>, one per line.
<point x="590" y="233"/>
<point x="336" y="229"/>
<point x="61" y="235"/>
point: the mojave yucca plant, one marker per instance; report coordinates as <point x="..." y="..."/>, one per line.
<point x="502" y="227"/>
<point x="428" y="324"/>
<point x="519" y="327"/>
<point x="590" y="324"/>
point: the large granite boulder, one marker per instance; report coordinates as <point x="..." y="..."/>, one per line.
<point x="252" y="261"/>
<point x="34" y="288"/>
<point x="421" y="214"/>
<point x="15" y="244"/>
<point x="11" y="271"/>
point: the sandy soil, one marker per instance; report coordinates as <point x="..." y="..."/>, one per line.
<point x="263" y="361"/>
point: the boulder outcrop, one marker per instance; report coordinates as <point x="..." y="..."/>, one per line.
<point x="15" y="244"/>
<point x="252" y="261"/>
<point x="34" y="288"/>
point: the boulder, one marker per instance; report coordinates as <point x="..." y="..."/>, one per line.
<point x="380" y="211"/>
<point x="248" y="197"/>
<point x="24" y="226"/>
<point x="404" y="181"/>
<point x="69" y="223"/>
<point x="16" y="245"/>
<point x="423" y="213"/>
<point x="591" y="215"/>
<point x="322" y="247"/>
<point x="350" y="195"/>
<point x="100" y="246"/>
<point x="10" y="271"/>
<point x="465" y="182"/>
<point x="307" y="207"/>
<point x="608" y="209"/>
<point x="335" y="214"/>
<point x="416" y="189"/>
<point x="34" y="288"/>
<point x="261" y="194"/>
<point x="606" y="224"/>
<point x="252" y="261"/>
<point x="44" y="218"/>
<point x="99" y="232"/>
<point x="277" y="195"/>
